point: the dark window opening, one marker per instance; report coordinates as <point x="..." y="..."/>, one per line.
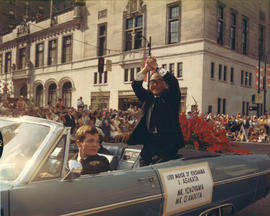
<point x="212" y="74"/>
<point x="52" y="53"/>
<point x="219" y="71"/>
<point x="67" y="49"/>
<point x="173" y="24"/>
<point x="102" y="35"/>
<point x="126" y="75"/>
<point x="232" y="75"/>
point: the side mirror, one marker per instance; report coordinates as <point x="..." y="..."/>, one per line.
<point x="75" y="166"/>
<point x="75" y="169"/>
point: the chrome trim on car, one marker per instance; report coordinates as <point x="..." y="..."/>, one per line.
<point x="216" y="207"/>
<point x="241" y="178"/>
<point x="67" y="132"/>
<point x="114" y="206"/>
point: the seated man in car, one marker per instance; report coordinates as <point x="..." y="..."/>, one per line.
<point x="87" y="139"/>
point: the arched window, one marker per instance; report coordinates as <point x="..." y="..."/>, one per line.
<point x="39" y="96"/>
<point x="52" y="97"/>
<point x="67" y="94"/>
<point x="23" y="91"/>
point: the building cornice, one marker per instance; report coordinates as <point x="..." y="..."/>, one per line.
<point x="43" y="33"/>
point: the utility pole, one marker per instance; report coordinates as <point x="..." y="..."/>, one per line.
<point x="149" y="52"/>
<point x="259" y="81"/>
<point x="149" y="46"/>
<point x="51" y="13"/>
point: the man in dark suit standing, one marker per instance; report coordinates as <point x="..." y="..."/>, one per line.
<point x="69" y="120"/>
<point x="158" y="128"/>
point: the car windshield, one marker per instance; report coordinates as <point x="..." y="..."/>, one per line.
<point x="21" y="140"/>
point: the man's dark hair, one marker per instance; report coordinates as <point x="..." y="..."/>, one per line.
<point x="83" y="130"/>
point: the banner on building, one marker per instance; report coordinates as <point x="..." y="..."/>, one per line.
<point x="261" y="77"/>
<point x="6" y="86"/>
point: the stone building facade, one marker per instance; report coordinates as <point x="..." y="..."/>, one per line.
<point x="211" y="46"/>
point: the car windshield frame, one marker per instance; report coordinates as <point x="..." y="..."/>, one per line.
<point x="21" y="139"/>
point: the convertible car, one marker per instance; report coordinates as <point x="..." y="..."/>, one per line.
<point x="39" y="177"/>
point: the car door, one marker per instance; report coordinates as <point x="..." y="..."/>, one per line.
<point x="129" y="192"/>
<point x="120" y="192"/>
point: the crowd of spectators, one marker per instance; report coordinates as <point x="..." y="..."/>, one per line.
<point x="243" y="128"/>
<point x="113" y="123"/>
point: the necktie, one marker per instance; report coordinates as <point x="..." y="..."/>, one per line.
<point x="153" y="115"/>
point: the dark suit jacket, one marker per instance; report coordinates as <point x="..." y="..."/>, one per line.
<point x="93" y="164"/>
<point x="69" y="121"/>
<point x="170" y="137"/>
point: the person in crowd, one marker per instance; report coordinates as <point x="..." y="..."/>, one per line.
<point x="59" y="105"/>
<point x="85" y="117"/>
<point x="80" y="103"/>
<point x="21" y="105"/>
<point x="69" y="120"/>
<point x="87" y="139"/>
<point x="130" y="109"/>
<point x="106" y="126"/>
<point x="158" y="127"/>
<point x="85" y="108"/>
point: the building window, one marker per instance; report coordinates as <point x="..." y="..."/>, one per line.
<point x="243" y="107"/>
<point x="246" y="78"/>
<point x="102" y="35"/>
<point x="179" y="69"/>
<point x="225" y="73"/>
<point x="233" y="31"/>
<point x="1" y="64"/>
<point x="219" y="71"/>
<point x="171" y="68"/>
<point x="100" y="78"/>
<point x="164" y="66"/>
<point x="95" y="77"/>
<point x="212" y="74"/>
<point x="52" y="52"/>
<point x="52" y="96"/>
<point x="224" y="106"/>
<point x="218" y="105"/>
<point x="67" y="94"/>
<point x="244" y="35"/>
<point x="133" y="33"/>
<point x="39" y="55"/>
<point x="247" y="106"/>
<point x="220" y="25"/>
<point x="232" y="75"/>
<point x="39" y="96"/>
<point x="242" y="77"/>
<point x="126" y="75"/>
<point x="67" y="49"/>
<point x="131" y="74"/>
<point x="261" y="40"/>
<point x="250" y="79"/>
<point x="173" y="24"/>
<point x="209" y="109"/>
<point x="22" y="58"/>
<point x="8" y="62"/>
<point x="105" y="77"/>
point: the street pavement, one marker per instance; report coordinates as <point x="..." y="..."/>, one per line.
<point x="262" y="207"/>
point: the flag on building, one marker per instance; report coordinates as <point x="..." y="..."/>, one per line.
<point x="261" y="77"/>
<point x="6" y="86"/>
